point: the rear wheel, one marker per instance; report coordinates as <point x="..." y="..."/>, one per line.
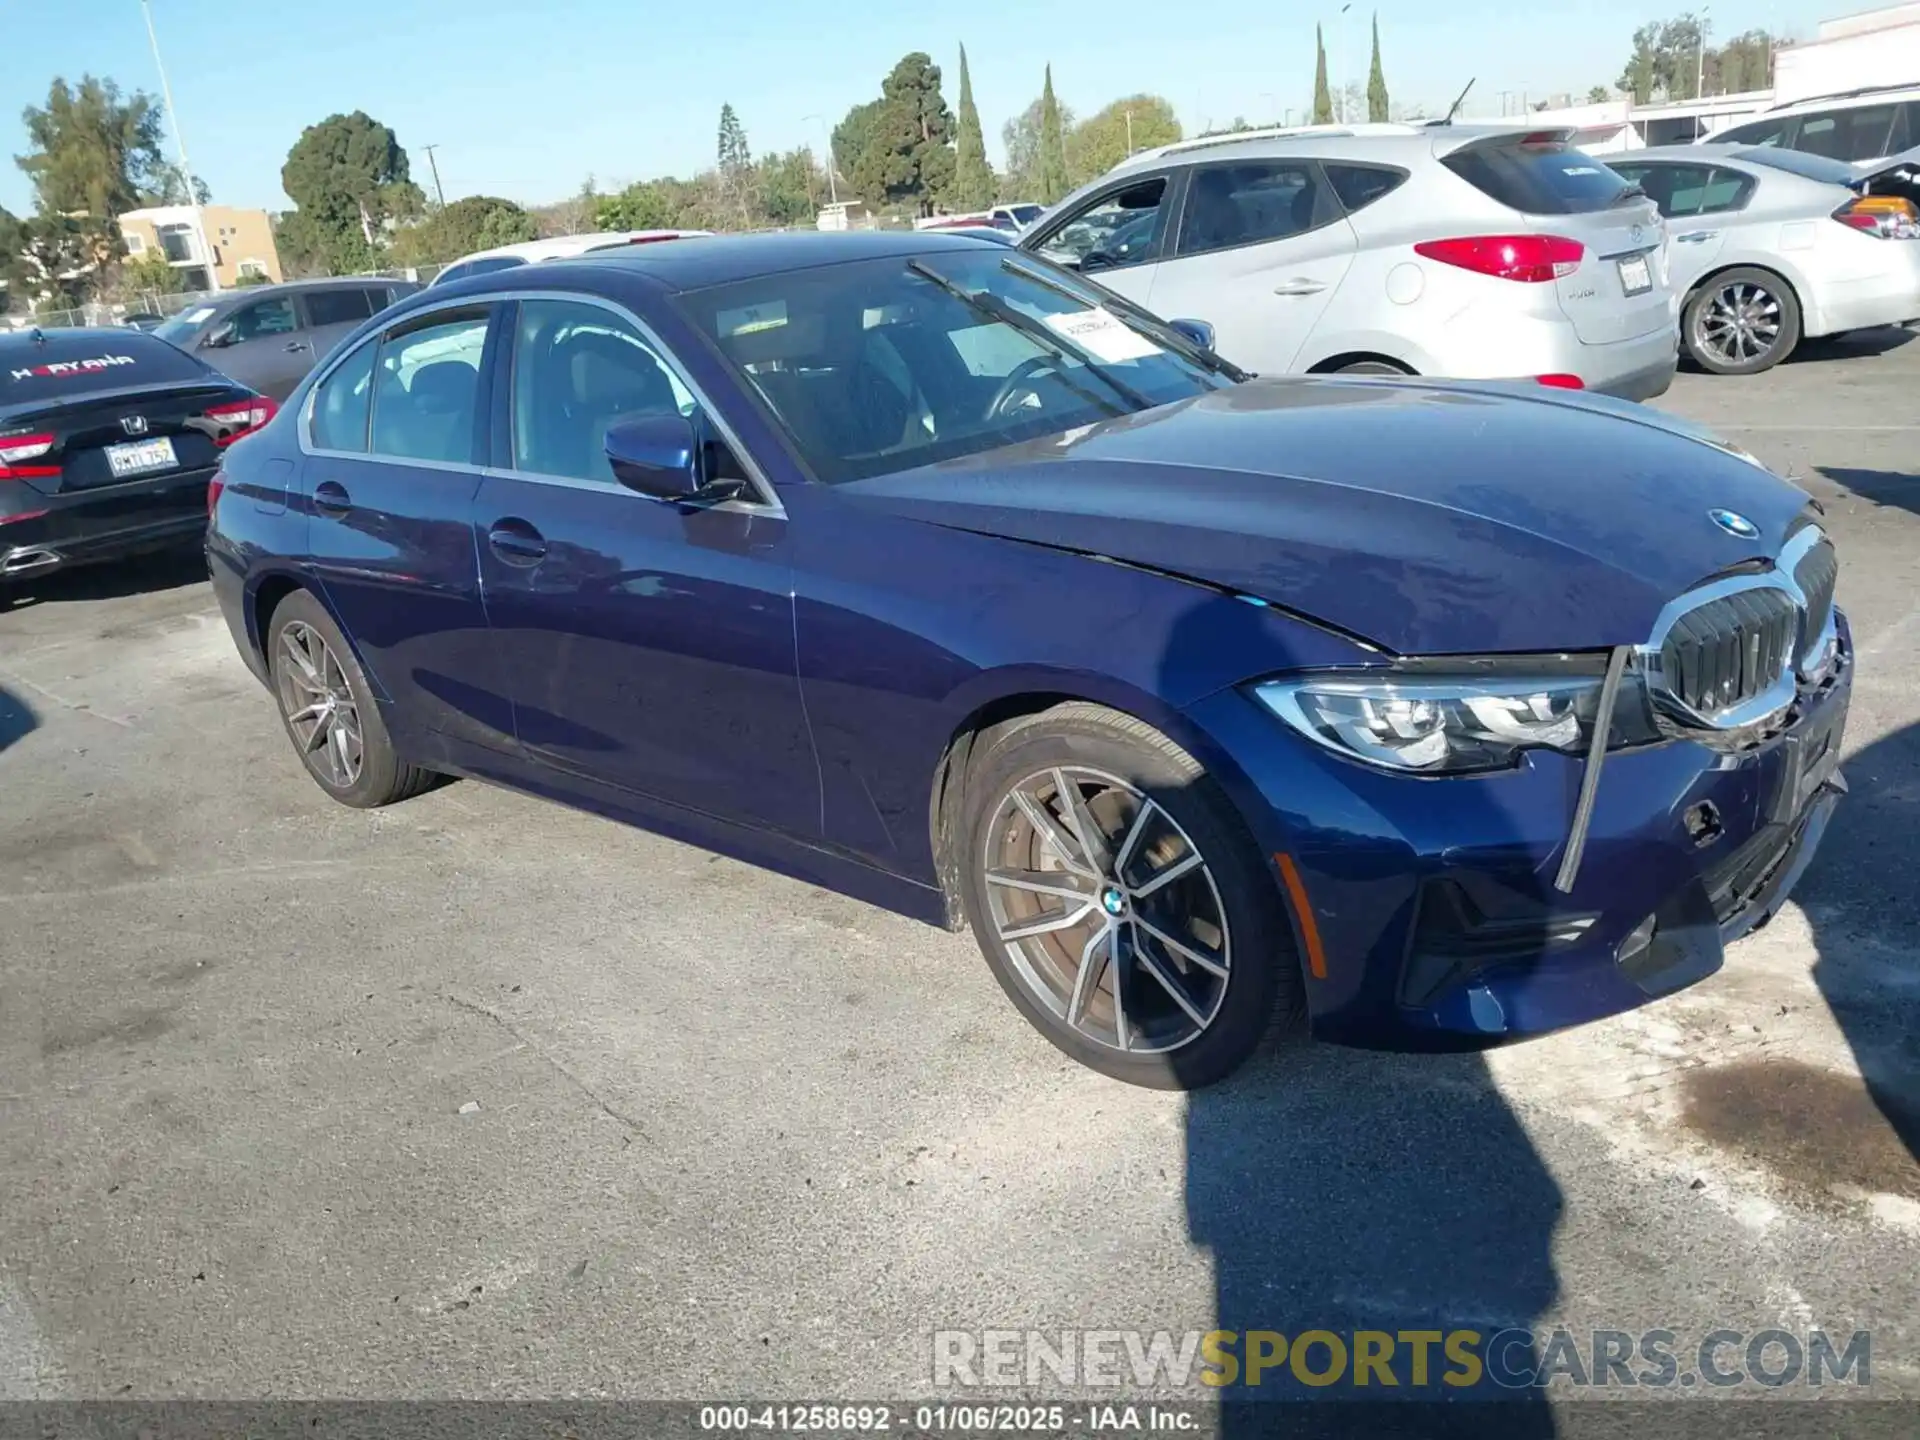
<point x="1371" y="367"/>
<point x="1741" y="322"/>
<point x="330" y="713"/>
<point x="1120" y="902"/>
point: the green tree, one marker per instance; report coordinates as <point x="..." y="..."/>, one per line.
<point x="93" y="151"/>
<point x="1666" y="60"/>
<point x="1322" y="96"/>
<point x="908" y="159"/>
<point x="1021" y="137"/>
<point x="477" y="222"/>
<point x="1744" y="63"/>
<point x="972" y="175"/>
<point x="60" y="259"/>
<point x="787" y="188"/>
<point x="13" y="273"/>
<point x="1599" y="95"/>
<point x="735" y="163"/>
<point x="852" y="136"/>
<point x="1050" y="166"/>
<point x="350" y="178"/>
<point x="151" y="272"/>
<point x="1377" y="107"/>
<point x="1110" y="134"/>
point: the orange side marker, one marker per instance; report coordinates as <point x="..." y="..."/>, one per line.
<point x="1309" y="928"/>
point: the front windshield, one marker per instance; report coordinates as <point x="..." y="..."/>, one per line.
<point x="1026" y="214"/>
<point x="881" y="365"/>
<point x="182" y="327"/>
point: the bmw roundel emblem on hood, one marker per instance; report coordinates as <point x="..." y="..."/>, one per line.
<point x="1734" y="523"/>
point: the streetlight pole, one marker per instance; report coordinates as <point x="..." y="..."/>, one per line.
<point x="434" y="166"/>
<point x="1343" y="60"/>
<point x="833" y="190"/>
<point x="186" y="166"/>
<point x="1700" y="53"/>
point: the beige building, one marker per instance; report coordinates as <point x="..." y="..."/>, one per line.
<point x="241" y="241"/>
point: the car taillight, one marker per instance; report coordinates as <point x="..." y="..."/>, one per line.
<point x="16" y="450"/>
<point x="214" y="487"/>
<point x="1531" y="259"/>
<point x="240" y="418"/>
<point x="1562" y="382"/>
<point x="1886" y="216"/>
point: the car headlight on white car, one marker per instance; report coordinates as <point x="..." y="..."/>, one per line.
<point x="1425" y="720"/>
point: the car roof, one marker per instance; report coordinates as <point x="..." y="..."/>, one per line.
<point x="1393" y="143"/>
<point x="559" y="247"/>
<point x="1844" y="99"/>
<point x="699" y="261"/>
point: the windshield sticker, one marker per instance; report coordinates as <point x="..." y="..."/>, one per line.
<point x="60" y="368"/>
<point x="749" y="318"/>
<point x="1102" y="335"/>
<point x="194" y="317"/>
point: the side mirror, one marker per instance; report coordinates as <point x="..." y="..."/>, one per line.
<point x="218" y="338"/>
<point x="1198" y="331"/>
<point x="664" y="456"/>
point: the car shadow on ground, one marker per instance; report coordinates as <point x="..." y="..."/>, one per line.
<point x="1851" y="345"/>
<point x="17" y="719"/>
<point x="1344" y="1191"/>
<point x="170" y="569"/>
<point x="1865" y="912"/>
<point x="1892" y="488"/>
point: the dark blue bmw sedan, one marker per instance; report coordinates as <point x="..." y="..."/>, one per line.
<point x="1439" y="713"/>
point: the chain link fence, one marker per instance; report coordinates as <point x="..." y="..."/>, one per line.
<point x="165" y="304"/>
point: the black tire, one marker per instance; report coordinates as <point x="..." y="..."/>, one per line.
<point x="1758" y="296"/>
<point x="1260" y="988"/>
<point x="1372" y="367"/>
<point x="381" y="776"/>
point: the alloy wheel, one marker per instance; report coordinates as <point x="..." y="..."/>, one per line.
<point x="1107" y="911"/>
<point x="1740" y="323"/>
<point x="318" y="702"/>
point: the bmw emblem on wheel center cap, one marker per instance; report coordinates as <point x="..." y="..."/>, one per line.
<point x="1734" y="524"/>
<point x="1113" y="901"/>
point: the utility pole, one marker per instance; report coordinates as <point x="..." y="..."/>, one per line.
<point x="1700" y="54"/>
<point x="1342" y="61"/>
<point x="1129" y="115"/>
<point x="434" y="166"/>
<point x="186" y="165"/>
<point x="833" y="188"/>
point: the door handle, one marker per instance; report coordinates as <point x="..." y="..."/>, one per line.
<point x="1694" y="237"/>
<point x="1301" y="286"/>
<point x="331" y="498"/>
<point x="517" y="543"/>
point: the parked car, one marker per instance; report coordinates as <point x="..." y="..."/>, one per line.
<point x="1483" y="251"/>
<point x="1010" y="219"/>
<point x="1773" y="246"/>
<point x="269" y="336"/>
<point x="1864" y="127"/>
<point x="962" y="585"/>
<point x="557" y="247"/>
<point x="108" y="437"/>
<point x="143" y="320"/>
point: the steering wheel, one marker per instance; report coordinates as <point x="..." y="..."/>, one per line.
<point x="1016" y="379"/>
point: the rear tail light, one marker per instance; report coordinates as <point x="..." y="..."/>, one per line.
<point x="1531" y="259"/>
<point x="15" y="450"/>
<point x="1887" y="217"/>
<point x="214" y="487"/>
<point x="1562" y="382"/>
<point x="241" y="418"/>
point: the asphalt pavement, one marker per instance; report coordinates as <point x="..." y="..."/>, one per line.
<point x="480" y="1097"/>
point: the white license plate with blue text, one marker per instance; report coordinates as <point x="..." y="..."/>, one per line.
<point x="1636" y="276"/>
<point x="141" y="457"/>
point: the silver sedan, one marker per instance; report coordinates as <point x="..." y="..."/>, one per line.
<point x="1774" y="246"/>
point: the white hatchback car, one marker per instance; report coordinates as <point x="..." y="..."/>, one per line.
<point x="558" y="247"/>
<point x="1485" y="251"/>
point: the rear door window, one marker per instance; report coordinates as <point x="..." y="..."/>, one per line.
<point x="426" y="390"/>
<point x="339" y="307"/>
<point x="264" y="318"/>
<point x="1676" y="189"/>
<point x="1726" y="190"/>
<point x="342" y="403"/>
<point x="1545" y="177"/>
<point x="1251" y="204"/>
<point x="1358" y="186"/>
<point x="83" y="362"/>
<point x="1861" y="132"/>
<point x="1776" y="131"/>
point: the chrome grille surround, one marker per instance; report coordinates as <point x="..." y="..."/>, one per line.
<point x="1732" y="656"/>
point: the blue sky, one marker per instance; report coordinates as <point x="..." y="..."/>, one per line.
<point x="525" y="98"/>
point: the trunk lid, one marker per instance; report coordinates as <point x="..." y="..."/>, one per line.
<point x="1620" y="289"/>
<point x="92" y="432"/>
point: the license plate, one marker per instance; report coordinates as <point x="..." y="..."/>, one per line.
<point x="1636" y="276"/>
<point x="140" y="457"/>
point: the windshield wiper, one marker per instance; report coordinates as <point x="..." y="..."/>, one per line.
<point x="994" y="308"/>
<point x="1140" y="322"/>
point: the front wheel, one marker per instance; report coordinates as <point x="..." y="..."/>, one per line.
<point x="1741" y="322"/>
<point x="1120" y="902"/>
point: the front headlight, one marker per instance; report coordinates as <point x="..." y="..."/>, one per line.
<point x="1419" y="717"/>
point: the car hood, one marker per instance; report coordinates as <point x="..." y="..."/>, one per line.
<point x="1422" y="517"/>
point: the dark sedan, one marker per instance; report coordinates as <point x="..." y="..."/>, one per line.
<point x="108" y="438"/>
<point x="1441" y="712"/>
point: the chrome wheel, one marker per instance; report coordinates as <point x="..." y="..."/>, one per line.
<point x="1106" y="911"/>
<point x="1739" y="324"/>
<point x="319" y="705"/>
